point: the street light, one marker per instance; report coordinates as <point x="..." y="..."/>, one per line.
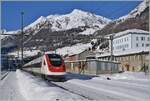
<point x="22" y="13"/>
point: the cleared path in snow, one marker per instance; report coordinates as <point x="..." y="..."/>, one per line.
<point x="9" y="89"/>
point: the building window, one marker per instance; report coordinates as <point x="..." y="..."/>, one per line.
<point x="142" y="38"/>
<point x="148" y="38"/>
<point x="142" y="44"/>
<point x="147" y="45"/>
<point x="137" y="44"/>
<point x="137" y="38"/>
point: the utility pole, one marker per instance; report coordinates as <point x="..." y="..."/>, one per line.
<point x="22" y="13"/>
<point x="111" y="52"/>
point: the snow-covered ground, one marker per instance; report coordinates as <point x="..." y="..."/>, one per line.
<point x="9" y="90"/>
<point x="34" y="88"/>
<point x="127" y="86"/>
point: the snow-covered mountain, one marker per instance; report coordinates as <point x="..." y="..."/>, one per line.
<point x="74" y="19"/>
<point x="67" y="29"/>
<point x="138" y="18"/>
<point x="137" y="11"/>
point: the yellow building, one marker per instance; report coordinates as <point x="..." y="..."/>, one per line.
<point x="131" y="61"/>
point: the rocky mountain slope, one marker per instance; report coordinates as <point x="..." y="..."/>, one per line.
<point x="55" y="31"/>
<point x="138" y="18"/>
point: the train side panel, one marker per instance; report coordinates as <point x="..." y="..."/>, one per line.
<point x="46" y="65"/>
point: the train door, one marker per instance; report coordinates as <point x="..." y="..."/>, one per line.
<point x="43" y="66"/>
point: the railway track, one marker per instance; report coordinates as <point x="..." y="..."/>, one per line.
<point x="105" y="90"/>
<point x="59" y="86"/>
<point x="92" y="88"/>
<point x="3" y="75"/>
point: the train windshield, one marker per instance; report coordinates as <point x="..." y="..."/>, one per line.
<point x="55" y="59"/>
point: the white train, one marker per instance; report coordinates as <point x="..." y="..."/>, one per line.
<point x="49" y="65"/>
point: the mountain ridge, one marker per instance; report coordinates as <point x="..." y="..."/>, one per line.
<point x="137" y="18"/>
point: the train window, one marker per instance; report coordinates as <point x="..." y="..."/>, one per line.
<point x="55" y="59"/>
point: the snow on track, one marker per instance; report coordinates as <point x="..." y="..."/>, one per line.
<point x="126" y="82"/>
<point x="121" y="92"/>
<point x="83" y="87"/>
<point x="124" y="85"/>
<point x="99" y="88"/>
<point x="34" y="88"/>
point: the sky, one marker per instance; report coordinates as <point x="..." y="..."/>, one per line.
<point x="11" y="16"/>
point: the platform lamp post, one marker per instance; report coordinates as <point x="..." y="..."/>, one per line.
<point x="22" y="13"/>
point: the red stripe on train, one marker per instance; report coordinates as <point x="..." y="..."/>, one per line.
<point x="52" y="68"/>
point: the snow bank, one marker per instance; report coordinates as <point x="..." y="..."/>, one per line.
<point x="34" y="88"/>
<point x="130" y="75"/>
<point x="125" y="75"/>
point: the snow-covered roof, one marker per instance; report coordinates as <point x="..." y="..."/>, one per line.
<point x="75" y="49"/>
<point x="37" y="60"/>
<point x="26" y="53"/>
<point x="129" y="31"/>
<point x="126" y="52"/>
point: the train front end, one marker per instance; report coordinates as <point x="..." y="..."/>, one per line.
<point x="54" y="65"/>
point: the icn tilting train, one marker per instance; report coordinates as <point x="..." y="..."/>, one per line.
<point x="50" y="66"/>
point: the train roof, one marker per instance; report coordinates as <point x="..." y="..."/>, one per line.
<point x="37" y="60"/>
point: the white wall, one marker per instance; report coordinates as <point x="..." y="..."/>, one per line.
<point x="122" y="43"/>
<point x="139" y="41"/>
<point x="129" y="41"/>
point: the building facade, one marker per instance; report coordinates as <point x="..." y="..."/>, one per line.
<point x="131" y="39"/>
<point x="131" y="49"/>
